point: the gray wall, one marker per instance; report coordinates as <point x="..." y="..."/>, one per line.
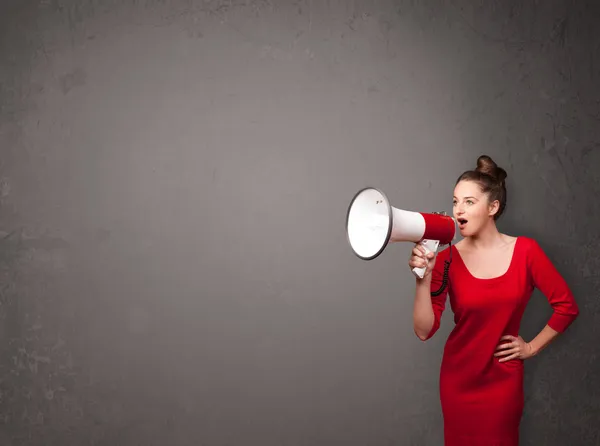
<point x="174" y="182"/>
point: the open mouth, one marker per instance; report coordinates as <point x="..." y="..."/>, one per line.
<point x="461" y="222"/>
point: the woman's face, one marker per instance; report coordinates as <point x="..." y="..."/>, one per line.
<point x="471" y="208"/>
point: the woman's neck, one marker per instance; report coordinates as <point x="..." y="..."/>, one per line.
<point x="488" y="237"/>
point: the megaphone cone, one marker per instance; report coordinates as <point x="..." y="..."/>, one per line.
<point x="372" y="223"/>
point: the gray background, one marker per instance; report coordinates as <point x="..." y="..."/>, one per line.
<point x="174" y="178"/>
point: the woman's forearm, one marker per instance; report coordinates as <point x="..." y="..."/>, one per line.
<point x="541" y="341"/>
<point x="423" y="316"/>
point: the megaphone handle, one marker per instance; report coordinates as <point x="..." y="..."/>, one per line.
<point x="430" y="246"/>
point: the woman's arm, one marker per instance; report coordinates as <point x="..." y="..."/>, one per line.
<point x="428" y="309"/>
<point x="547" y="279"/>
<point x="553" y="286"/>
<point x="423" y="316"/>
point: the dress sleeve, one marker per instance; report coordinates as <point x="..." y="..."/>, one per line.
<point x="548" y="280"/>
<point x="438" y="302"/>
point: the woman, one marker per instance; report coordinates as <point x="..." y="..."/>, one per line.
<point x="490" y="281"/>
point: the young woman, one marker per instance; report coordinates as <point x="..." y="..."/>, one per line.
<point x="491" y="279"/>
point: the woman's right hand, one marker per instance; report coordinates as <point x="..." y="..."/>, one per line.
<point x="419" y="259"/>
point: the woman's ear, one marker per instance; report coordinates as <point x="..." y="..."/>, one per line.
<point x="493" y="208"/>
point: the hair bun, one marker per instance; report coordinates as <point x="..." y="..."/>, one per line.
<point x="486" y="165"/>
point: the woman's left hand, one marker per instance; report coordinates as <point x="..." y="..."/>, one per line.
<point x="516" y="348"/>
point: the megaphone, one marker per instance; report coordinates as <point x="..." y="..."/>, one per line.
<point x="372" y="224"/>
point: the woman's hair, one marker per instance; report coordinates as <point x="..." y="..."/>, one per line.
<point x="491" y="180"/>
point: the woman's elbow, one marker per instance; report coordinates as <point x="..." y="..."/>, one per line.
<point x="422" y="335"/>
<point x="575" y="312"/>
<point x="572" y="311"/>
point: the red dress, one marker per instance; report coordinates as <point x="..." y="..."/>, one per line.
<point x="482" y="399"/>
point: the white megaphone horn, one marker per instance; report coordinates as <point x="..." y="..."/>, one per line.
<point x="372" y="223"/>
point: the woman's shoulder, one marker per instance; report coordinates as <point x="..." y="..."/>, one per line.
<point x="529" y="247"/>
<point x="526" y="241"/>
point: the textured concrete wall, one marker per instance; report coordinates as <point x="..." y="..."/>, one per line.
<point x="174" y="179"/>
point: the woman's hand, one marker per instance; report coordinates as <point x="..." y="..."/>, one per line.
<point x="516" y="348"/>
<point x="419" y="259"/>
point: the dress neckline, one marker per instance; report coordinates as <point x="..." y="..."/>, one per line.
<point x="489" y="279"/>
